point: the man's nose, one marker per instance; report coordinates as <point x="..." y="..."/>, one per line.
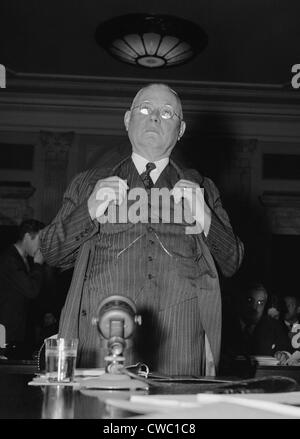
<point x="155" y="115"/>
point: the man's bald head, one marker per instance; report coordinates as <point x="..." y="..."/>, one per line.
<point x="151" y="135"/>
<point x="159" y="85"/>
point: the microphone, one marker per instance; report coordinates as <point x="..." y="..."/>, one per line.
<point x="116" y="320"/>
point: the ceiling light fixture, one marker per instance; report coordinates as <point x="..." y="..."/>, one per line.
<point x="151" y="40"/>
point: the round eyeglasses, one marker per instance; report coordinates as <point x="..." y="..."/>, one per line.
<point x="166" y="111"/>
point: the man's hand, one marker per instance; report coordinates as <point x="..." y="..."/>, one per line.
<point x="111" y="189"/>
<point x="194" y="195"/>
<point x="282" y="357"/>
<point x="38" y="258"/>
<point x="273" y="312"/>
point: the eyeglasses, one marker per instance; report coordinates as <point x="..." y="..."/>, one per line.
<point x="259" y="302"/>
<point x="166" y="111"/>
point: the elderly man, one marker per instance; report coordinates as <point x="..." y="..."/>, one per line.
<point x="167" y="268"/>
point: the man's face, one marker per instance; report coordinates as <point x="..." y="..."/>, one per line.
<point x="32" y="243"/>
<point x="151" y="136"/>
<point x="291" y="308"/>
<point x="254" y="305"/>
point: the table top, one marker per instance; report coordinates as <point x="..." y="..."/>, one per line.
<point x="18" y="400"/>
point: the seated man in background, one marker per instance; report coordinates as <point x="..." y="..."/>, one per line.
<point x="21" y="281"/>
<point x="248" y="330"/>
<point x="290" y="312"/>
<point x="290" y="321"/>
<point x="286" y="311"/>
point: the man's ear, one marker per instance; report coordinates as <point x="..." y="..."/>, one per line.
<point x="127" y="117"/>
<point x="181" y="129"/>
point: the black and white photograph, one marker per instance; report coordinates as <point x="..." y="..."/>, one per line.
<point x="149" y="212"/>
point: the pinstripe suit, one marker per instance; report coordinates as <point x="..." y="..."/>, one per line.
<point x="171" y="276"/>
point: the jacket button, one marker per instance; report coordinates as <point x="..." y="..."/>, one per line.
<point x="150" y="276"/>
<point x="83" y="312"/>
<point x="150" y="258"/>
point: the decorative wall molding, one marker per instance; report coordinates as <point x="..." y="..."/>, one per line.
<point x="14" y="202"/>
<point x="102" y="85"/>
<point x="105" y="116"/>
<point x="56" y="148"/>
<point x="96" y="105"/>
<point x="283" y="212"/>
<point x="236" y="177"/>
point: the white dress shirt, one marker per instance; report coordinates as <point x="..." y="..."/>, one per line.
<point x="140" y="164"/>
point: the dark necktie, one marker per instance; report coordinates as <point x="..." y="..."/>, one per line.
<point x="145" y="176"/>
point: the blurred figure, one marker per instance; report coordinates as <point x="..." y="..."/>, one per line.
<point x="252" y="306"/>
<point x="48" y="327"/>
<point x="290" y="312"/>
<point x="289" y="318"/>
<point x="274" y="307"/>
<point x="287" y="313"/>
<point x="21" y="277"/>
<point x="248" y="330"/>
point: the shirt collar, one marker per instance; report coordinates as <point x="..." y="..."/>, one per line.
<point x="140" y="163"/>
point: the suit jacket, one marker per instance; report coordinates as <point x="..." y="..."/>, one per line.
<point x="68" y="241"/>
<point x="17" y="287"/>
<point x="267" y="337"/>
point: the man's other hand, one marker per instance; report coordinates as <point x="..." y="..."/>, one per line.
<point x="110" y="189"/>
<point x="194" y="195"/>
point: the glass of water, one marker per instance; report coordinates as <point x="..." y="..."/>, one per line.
<point x="61" y="356"/>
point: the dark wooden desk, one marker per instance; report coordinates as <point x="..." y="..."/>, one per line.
<point x="18" y="400"/>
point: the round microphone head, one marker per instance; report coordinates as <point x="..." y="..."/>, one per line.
<point x="116" y="317"/>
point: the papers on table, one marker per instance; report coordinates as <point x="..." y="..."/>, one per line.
<point x="208" y="406"/>
<point x="89" y="372"/>
<point x="261" y="360"/>
<point x="266" y="360"/>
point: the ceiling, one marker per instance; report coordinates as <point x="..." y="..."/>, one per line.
<point x="249" y="41"/>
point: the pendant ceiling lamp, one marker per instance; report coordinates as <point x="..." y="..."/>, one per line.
<point x="151" y="40"/>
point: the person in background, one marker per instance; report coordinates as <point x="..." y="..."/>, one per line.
<point x="273" y="306"/>
<point x="290" y="311"/>
<point x="287" y="311"/>
<point x="249" y="330"/>
<point x="289" y="318"/>
<point x="21" y="278"/>
<point x="47" y="327"/>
